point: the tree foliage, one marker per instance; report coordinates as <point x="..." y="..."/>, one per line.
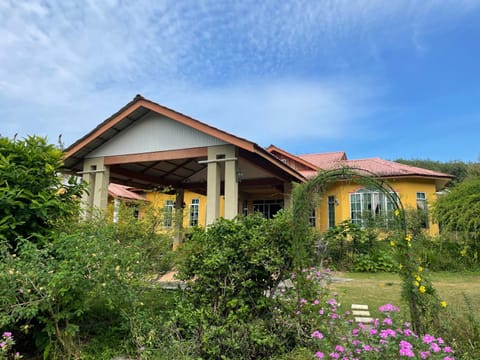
<point x="460" y="169"/>
<point x="32" y="195"/>
<point x="459" y="210"/>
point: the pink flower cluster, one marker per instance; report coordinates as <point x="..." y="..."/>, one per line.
<point x="380" y="339"/>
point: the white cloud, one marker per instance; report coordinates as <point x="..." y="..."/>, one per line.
<point x="282" y="109"/>
<point x="231" y="63"/>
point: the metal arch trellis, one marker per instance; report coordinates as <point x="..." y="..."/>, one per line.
<point x="302" y="244"/>
<point x="303" y="195"/>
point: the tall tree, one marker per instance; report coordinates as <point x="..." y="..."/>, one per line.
<point x="32" y="194"/>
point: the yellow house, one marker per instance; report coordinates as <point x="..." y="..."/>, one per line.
<point x="202" y="173"/>
<point x="417" y="188"/>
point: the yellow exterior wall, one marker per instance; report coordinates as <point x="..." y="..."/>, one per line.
<point x="159" y="199"/>
<point x="406" y="188"/>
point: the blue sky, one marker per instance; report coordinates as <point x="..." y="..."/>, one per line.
<point x="393" y="79"/>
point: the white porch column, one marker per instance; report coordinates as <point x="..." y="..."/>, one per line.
<point x="213" y="187"/>
<point x="231" y="184"/>
<point x="97" y="175"/>
<point x="219" y="158"/>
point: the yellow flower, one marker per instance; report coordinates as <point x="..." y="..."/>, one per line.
<point x="420" y="269"/>
<point x="400" y="266"/>
<point x="397" y="212"/>
<point x="392" y="243"/>
<point x="61" y="191"/>
<point x="416" y="283"/>
<point x="408" y="237"/>
<point x="418" y="278"/>
<point x="443" y="304"/>
<point x="117" y="268"/>
<point x="422" y="289"/>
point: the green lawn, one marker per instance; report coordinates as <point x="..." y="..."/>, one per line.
<point x="375" y="289"/>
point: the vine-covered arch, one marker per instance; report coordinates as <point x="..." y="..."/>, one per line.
<point x="418" y="290"/>
<point x="305" y="195"/>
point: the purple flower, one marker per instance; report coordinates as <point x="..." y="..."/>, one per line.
<point x="339" y="348"/>
<point x="435" y="348"/>
<point x="427" y="339"/>
<point x="367" y="347"/>
<point x="447" y="349"/>
<point x="317" y="334"/>
<point x="406" y="352"/>
<point x="319" y="355"/>
<point x="424" y="354"/>
<point x="387" y="332"/>
<point x="373" y="331"/>
<point x="387" y="321"/>
<point x="388" y="308"/>
<point x="7" y="334"/>
<point x="448" y="358"/>
<point x="405" y="344"/>
<point x="334" y="355"/>
<point x="320" y="311"/>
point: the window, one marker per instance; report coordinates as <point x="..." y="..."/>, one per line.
<point x="193" y="214"/>
<point x="421" y="201"/>
<point x="331" y="211"/>
<point x="422" y="208"/>
<point x="245" y="208"/>
<point x="313" y="218"/>
<point x="267" y="207"/>
<point x="366" y="204"/>
<point x="168" y="213"/>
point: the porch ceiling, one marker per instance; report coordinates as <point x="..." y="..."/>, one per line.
<point x="191" y="174"/>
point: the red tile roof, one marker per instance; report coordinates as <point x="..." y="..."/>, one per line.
<point x="124" y="192"/>
<point x="324" y="160"/>
<point x="387" y="168"/>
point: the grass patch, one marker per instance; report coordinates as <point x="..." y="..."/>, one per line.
<point x="376" y="289"/>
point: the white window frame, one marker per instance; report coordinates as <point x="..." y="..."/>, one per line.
<point x="365" y="200"/>
<point x="168" y="210"/>
<point x="193" y="214"/>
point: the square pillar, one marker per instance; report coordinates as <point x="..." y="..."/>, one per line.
<point x="221" y="158"/>
<point x="97" y="175"/>
<point x="231" y="184"/>
<point x="213" y="187"/>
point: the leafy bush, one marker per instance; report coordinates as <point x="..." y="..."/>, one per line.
<point x="233" y="271"/>
<point x="33" y="198"/>
<point x="86" y="270"/>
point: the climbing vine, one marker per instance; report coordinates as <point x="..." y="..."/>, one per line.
<point x="418" y="290"/>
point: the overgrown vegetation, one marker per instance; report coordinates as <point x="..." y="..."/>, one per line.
<point x="87" y="289"/>
<point x="461" y="170"/>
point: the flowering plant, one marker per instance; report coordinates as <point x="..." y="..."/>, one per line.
<point x="384" y="338"/>
<point x="6" y="344"/>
